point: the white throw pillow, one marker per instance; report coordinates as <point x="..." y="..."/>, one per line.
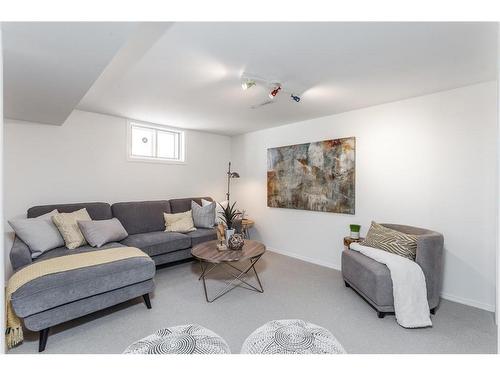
<point x="40" y="234"/>
<point x="181" y="222"/>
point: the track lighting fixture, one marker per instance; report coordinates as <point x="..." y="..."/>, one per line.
<point x="274" y="92"/>
<point x="272" y="87"/>
<point x="247" y="84"/>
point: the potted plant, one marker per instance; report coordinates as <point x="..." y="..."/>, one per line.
<point x="228" y="215"/>
<point x="355" y="231"/>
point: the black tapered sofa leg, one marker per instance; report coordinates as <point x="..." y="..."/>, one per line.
<point x="380" y="314"/>
<point x="433" y="311"/>
<point x="346" y="284"/>
<point x="44" y="335"/>
<point x="147" y="301"/>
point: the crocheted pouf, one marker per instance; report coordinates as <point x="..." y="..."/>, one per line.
<point x="187" y="339"/>
<point x="291" y="336"/>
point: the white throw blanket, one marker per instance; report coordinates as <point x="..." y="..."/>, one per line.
<point x="408" y="284"/>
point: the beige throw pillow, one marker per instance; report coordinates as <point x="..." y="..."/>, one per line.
<point x="67" y="223"/>
<point x="181" y="222"/>
<point x="391" y="240"/>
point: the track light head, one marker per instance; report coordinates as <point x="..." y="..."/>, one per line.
<point x="295" y="97"/>
<point x="246" y="84"/>
<point x="274" y="92"/>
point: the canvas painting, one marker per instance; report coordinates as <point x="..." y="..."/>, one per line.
<point x="317" y="176"/>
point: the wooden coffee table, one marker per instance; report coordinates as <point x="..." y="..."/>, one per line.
<point x="211" y="258"/>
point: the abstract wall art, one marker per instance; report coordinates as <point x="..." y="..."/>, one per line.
<point x="317" y="176"/>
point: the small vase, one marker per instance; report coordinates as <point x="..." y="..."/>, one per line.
<point x="229" y="233"/>
<point x="355" y="235"/>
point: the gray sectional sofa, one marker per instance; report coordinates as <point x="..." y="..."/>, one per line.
<point x="57" y="298"/>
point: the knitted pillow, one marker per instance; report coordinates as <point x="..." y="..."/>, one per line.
<point x="181" y="222"/>
<point x="391" y="240"/>
<point x="67" y="223"/>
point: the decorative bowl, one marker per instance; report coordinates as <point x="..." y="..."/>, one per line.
<point x="236" y="242"/>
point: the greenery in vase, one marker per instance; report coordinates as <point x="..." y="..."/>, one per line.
<point x="355" y="228"/>
<point x="229" y="214"/>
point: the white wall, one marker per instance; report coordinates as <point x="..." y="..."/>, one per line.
<point x="426" y="161"/>
<point x="497" y="185"/>
<point x="2" y="267"/>
<point x="85" y="160"/>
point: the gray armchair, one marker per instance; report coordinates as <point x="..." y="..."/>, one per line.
<point x="372" y="280"/>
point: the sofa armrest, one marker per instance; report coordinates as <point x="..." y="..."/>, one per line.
<point x="20" y="254"/>
<point x="430" y="258"/>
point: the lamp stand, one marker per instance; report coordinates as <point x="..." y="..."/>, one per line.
<point x="228" y="181"/>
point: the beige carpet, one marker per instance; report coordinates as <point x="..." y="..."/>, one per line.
<point x="293" y="289"/>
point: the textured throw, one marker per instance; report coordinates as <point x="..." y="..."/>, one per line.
<point x="391" y="240"/>
<point x="14" y="333"/>
<point x="408" y="287"/>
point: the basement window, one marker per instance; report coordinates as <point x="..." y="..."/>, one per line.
<point x="157" y="143"/>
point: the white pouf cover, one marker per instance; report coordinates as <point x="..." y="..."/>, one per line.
<point x="291" y="336"/>
<point x="187" y="339"/>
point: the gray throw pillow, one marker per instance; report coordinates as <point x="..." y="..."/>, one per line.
<point x="203" y="217"/>
<point x="100" y="232"/>
<point x="40" y="234"/>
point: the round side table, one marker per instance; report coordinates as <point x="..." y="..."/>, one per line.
<point x="210" y="258"/>
<point x="246" y="224"/>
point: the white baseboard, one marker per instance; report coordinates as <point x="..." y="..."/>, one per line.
<point x="450" y="297"/>
<point x="468" y="302"/>
<point x="307" y="259"/>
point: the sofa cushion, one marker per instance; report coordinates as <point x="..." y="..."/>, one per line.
<point x="391" y="240"/>
<point x="203" y="216"/>
<point x="96" y="210"/>
<point x="184" y="204"/>
<point x="67" y="223"/>
<point x="57" y="289"/>
<point x="156" y="243"/>
<point x="141" y="217"/>
<point x="181" y="222"/>
<point x="100" y="232"/>
<point x="202" y="235"/>
<point x="371" y="278"/>
<point x="39" y="233"/>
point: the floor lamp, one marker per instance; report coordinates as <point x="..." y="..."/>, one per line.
<point x="230" y="175"/>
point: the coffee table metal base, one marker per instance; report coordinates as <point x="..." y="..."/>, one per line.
<point x="237" y="278"/>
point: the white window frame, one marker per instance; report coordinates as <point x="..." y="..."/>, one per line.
<point x="156" y="159"/>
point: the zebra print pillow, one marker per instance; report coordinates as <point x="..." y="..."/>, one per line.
<point x="391" y="240"/>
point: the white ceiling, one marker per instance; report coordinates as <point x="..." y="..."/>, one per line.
<point x="48" y="66"/>
<point x="188" y="74"/>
